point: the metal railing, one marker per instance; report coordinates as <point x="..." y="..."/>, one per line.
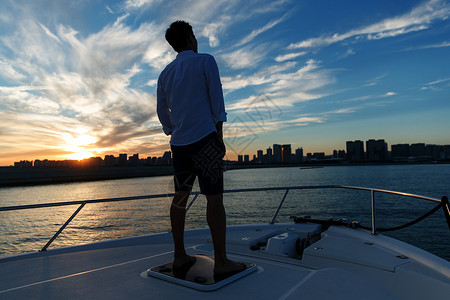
<point x="442" y="203"/>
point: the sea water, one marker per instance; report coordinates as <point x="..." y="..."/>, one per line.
<point x="29" y="230"/>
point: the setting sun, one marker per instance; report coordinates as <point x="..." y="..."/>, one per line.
<point x="79" y="154"/>
<point x="78" y="145"/>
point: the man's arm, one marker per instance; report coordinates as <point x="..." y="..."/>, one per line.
<point x="219" y="127"/>
<point x="215" y="92"/>
<point x="162" y="110"/>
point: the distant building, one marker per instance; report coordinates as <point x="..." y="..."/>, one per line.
<point x="299" y="154"/>
<point x="109" y="161"/>
<point x="246" y="158"/>
<point x="240" y="158"/>
<point x="277" y="154"/>
<point x="339" y="154"/>
<point x="418" y="150"/>
<point x="269" y="154"/>
<point x="446" y="152"/>
<point x="376" y="150"/>
<point x="167" y="157"/>
<point x="400" y="151"/>
<point x="286" y="153"/>
<point x="260" y="155"/>
<point x="23" y="164"/>
<point x="123" y="159"/>
<point x="134" y="159"/>
<point x="318" y="155"/>
<point x="433" y="151"/>
<point x="355" y="151"/>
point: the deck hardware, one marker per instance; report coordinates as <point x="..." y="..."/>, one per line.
<point x="374" y="227"/>
<point x="368" y="243"/>
<point x="62" y="227"/>
<point x="318" y="248"/>
<point x="402" y="256"/>
<point x="446" y="208"/>
<point x="192" y="202"/>
<point x="279" y="207"/>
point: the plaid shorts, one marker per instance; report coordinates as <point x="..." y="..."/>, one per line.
<point x="202" y="159"/>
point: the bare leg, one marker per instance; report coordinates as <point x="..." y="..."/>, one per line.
<point x="177" y="221"/>
<point x="215" y="215"/>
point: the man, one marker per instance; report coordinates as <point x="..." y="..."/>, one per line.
<point x="191" y="109"/>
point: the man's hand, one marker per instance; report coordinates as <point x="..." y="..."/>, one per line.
<point x="219" y="126"/>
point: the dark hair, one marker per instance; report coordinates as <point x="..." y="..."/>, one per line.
<point x="178" y="34"/>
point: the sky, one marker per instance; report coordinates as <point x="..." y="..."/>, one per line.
<point x="78" y="78"/>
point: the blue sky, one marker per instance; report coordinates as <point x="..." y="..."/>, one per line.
<point x="78" y="78"/>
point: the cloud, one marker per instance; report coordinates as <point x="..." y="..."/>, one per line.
<point x="265" y="75"/>
<point x="87" y="79"/>
<point x="285" y="89"/>
<point x="261" y="30"/>
<point x="289" y="56"/>
<point x="419" y="18"/>
<point x="8" y="71"/>
<point x="246" y="57"/>
<point x="436" y="85"/>
<point x="135" y="4"/>
<point x="432" y="46"/>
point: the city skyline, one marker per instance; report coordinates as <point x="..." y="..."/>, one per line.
<point x="79" y="79"/>
<point x="354" y="151"/>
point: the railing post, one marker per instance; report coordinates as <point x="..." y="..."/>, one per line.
<point x="446" y="208"/>
<point x="62" y="228"/>
<point x="279" y="207"/>
<point x="374" y="226"/>
<point x="192" y="202"/>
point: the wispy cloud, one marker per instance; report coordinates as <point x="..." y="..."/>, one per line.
<point x="246" y="57"/>
<point x="436" y="85"/>
<point x="289" y="56"/>
<point x="261" y="30"/>
<point x="417" y="19"/>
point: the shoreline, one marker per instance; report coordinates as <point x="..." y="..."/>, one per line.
<point x="11" y="177"/>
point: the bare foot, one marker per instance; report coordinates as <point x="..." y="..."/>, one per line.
<point x="228" y="267"/>
<point x="180" y="262"/>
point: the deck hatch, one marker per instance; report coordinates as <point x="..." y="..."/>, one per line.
<point x="200" y="275"/>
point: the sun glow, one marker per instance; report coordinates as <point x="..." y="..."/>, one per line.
<point x="79" y="145"/>
<point x="79" y="154"/>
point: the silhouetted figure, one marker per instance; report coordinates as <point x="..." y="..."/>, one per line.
<point x="191" y="109"/>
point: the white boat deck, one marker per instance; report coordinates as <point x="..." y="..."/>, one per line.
<point x="344" y="264"/>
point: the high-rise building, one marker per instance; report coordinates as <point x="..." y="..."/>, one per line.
<point x="376" y="150"/>
<point x="355" y="151"/>
<point x="246" y="158"/>
<point x="240" y="158"/>
<point x="286" y="153"/>
<point x="299" y="154"/>
<point x="277" y="154"/>
<point x="260" y="155"/>
<point x="269" y="154"/>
